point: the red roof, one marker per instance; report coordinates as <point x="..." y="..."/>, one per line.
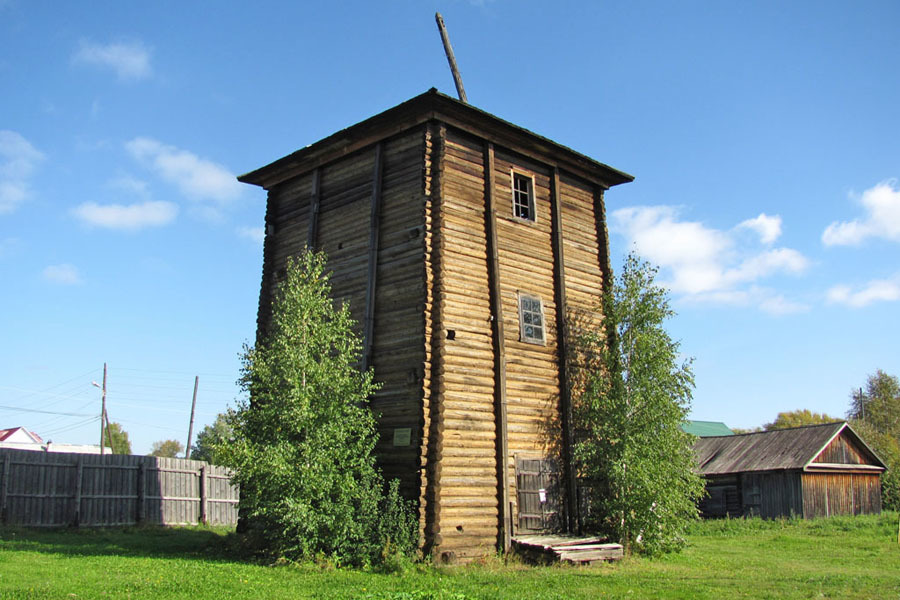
<point x="7" y="433"/>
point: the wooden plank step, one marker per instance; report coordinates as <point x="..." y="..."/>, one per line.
<point x="584" y="557"/>
<point x="585" y="547"/>
<point x="547" y="542"/>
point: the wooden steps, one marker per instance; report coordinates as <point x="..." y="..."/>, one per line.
<point x="560" y="548"/>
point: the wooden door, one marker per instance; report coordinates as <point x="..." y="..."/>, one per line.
<point x="539" y="495"/>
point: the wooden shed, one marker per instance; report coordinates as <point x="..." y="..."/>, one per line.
<point x="813" y="471"/>
<point x="461" y="242"/>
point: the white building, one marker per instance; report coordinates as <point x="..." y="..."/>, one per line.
<point x="20" y="438"/>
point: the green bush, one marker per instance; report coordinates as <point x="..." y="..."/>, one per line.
<point x="302" y="447"/>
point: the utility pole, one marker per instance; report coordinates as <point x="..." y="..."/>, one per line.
<point x="448" y="50"/>
<point x="102" y="410"/>
<point x="187" y="451"/>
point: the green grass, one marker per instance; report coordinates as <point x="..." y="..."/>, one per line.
<point x="829" y="558"/>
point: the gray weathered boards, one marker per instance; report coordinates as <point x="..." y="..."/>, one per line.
<point x="462" y="242"/>
<point x="813" y="471"/>
<point x="49" y="489"/>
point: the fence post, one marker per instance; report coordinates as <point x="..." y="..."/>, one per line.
<point x="139" y="504"/>
<point x="79" y="473"/>
<point x="4" y="490"/>
<point x="203" y="518"/>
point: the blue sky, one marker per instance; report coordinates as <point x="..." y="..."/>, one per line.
<point x="763" y="139"/>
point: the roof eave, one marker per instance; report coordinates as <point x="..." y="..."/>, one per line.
<point x="432" y="105"/>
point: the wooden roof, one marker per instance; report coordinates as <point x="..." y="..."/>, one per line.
<point x="779" y="449"/>
<point x="433" y="105"/>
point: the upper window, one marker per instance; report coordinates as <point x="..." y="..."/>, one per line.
<point x="531" y="319"/>
<point x="523" y="196"/>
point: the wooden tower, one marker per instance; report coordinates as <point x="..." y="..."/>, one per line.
<point x="461" y="242"/>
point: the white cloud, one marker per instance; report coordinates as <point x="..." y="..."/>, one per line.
<point x="702" y="264"/>
<point x="126" y="217"/>
<point x="881" y="218"/>
<point x="256" y="235"/>
<point x="130" y="60"/>
<point x="768" y="228"/>
<point x="64" y="274"/>
<point x="18" y="160"/>
<point x="195" y="177"/>
<point x="130" y="185"/>
<point x="877" y="290"/>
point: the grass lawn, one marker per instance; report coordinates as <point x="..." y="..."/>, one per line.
<point x="841" y="557"/>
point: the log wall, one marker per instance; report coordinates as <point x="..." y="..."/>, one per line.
<point x="462" y="360"/>
<point x="331" y="209"/>
<point x="434" y="346"/>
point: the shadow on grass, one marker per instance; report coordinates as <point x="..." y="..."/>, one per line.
<point x="163" y="542"/>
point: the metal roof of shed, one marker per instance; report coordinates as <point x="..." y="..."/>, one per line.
<point x="779" y="449"/>
<point x="706" y="428"/>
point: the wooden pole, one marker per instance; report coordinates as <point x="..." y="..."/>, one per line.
<point x="203" y="493"/>
<point x="314" y="202"/>
<point x="108" y="435"/>
<point x="371" y="278"/>
<point x="187" y="451"/>
<point x="500" y="406"/>
<point x="103" y="413"/>
<point x="79" y="475"/>
<point x="448" y="50"/>
<point x="141" y="493"/>
<point x="4" y="490"/>
<point x="559" y="272"/>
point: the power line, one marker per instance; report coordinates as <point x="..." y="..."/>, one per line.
<point x="43" y="412"/>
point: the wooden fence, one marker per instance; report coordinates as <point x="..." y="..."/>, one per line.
<point x="47" y="489"/>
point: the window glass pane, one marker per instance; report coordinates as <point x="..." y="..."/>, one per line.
<point x="529" y="332"/>
<point x="536" y="319"/>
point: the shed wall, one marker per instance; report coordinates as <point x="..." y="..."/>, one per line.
<point x="827" y="494"/>
<point x="842" y="450"/>
<point x="771" y="494"/>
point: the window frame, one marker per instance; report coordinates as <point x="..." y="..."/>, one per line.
<point x="531" y="204"/>
<point x="542" y="340"/>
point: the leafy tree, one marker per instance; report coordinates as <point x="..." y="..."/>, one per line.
<point x="210" y="438"/>
<point x="739" y="430"/>
<point x="878" y="404"/>
<point x="875" y="415"/>
<point x="630" y="396"/>
<point x="302" y="448"/>
<point x="799" y="418"/>
<point x="166" y="448"/>
<point x="117" y="439"/>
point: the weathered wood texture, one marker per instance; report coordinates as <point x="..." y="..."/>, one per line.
<point x="370" y="224"/>
<point x="465" y="372"/>
<point x="827" y="494"/>
<point x="843" y="450"/>
<point x="772" y="494"/>
<point x="59" y="489"/>
<point x="467" y="392"/>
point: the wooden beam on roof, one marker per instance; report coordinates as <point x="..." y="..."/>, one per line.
<point x="451" y="58"/>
